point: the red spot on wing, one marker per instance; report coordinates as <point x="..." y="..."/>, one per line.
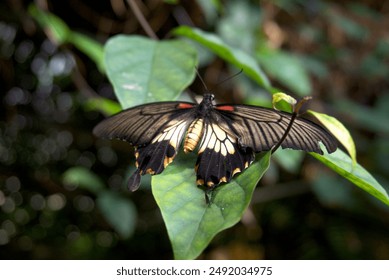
<point x="184" y="106"/>
<point x="225" y="108"/>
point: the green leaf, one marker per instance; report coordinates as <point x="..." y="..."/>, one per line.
<point x="289" y="159"/>
<point x="53" y="25"/>
<point x="119" y="212"/>
<point x="341" y="163"/>
<point x="192" y="223"/>
<point x="279" y="99"/>
<point x="93" y="49"/>
<point x="83" y="178"/>
<point x="234" y="56"/>
<point x="351" y="27"/>
<point x="104" y="105"/>
<point x="372" y="119"/>
<point x="58" y="31"/>
<point x="332" y="192"/>
<point x="144" y="70"/>
<point x="210" y="9"/>
<point x="239" y="24"/>
<point x="285" y="68"/>
<point x="339" y="131"/>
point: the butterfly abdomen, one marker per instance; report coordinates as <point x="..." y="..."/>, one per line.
<point x="195" y="131"/>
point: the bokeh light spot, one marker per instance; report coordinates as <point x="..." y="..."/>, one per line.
<point x="84" y="203"/>
<point x="56" y="201"/>
<point x="37" y="202"/>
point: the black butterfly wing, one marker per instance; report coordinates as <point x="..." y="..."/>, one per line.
<point x="233" y="133"/>
<point x="261" y="128"/>
<point x="140" y="124"/>
<point x="156" y="130"/>
<point x="219" y="154"/>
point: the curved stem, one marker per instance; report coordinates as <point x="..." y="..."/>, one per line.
<point x="296" y="110"/>
<point x="142" y="20"/>
<point x="294" y="115"/>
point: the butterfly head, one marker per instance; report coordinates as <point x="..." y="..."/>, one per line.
<point x="206" y="104"/>
<point x="209" y="97"/>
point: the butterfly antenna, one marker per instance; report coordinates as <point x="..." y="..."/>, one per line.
<point x="201" y="79"/>
<point x="230" y="77"/>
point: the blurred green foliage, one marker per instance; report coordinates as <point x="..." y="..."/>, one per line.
<point x="51" y="210"/>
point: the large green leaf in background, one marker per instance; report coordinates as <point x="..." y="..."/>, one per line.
<point x="119" y="211"/>
<point x="286" y="68"/>
<point x="83" y="178"/>
<point x="234" y="56"/>
<point x="144" y="70"/>
<point x="191" y="222"/>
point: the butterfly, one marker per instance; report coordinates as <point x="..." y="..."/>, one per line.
<point x="226" y="136"/>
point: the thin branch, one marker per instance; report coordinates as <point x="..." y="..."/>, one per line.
<point x="294" y="115"/>
<point x="142" y="20"/>
<point x="82" y="84"/>
<point x="296" y="110"/>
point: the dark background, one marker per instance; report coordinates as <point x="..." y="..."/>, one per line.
<point x="45" y="129"/>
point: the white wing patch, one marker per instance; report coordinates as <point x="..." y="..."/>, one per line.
<point x="172" y="133"/>
<point x="220" y="157"/>
<point x="218" y="140"/>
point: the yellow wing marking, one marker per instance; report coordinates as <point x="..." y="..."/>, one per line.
<point x="193" y="136"/>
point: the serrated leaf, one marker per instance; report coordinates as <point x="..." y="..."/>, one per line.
<point x="119" y="212"/>
<point x="83" y="178"/>
<point x="341" y="163"/>
<point x="144" y="70"/>
<point x="192" y="223"/>
<point x="339" y="131"/>
<point x="232" y="55"/>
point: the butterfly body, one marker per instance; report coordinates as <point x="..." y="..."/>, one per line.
<point x="193" y="136"/>
<point x="226" y="136"/>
